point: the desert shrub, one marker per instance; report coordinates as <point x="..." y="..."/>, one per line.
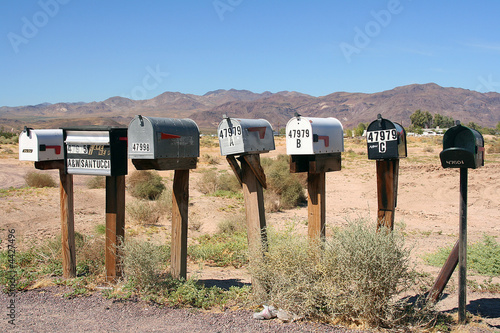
<point x="143" y="264"/>
<point x="145" y="184"/>
<point x="289" y="187"/>
<point x="232" y="225"/>
<point x="209" y="141"/>
<point x="143" y="211"/>
<point x="354" y="277"/>
<point x="210" y="159"/>
<point x="37" y="179"/>
<point x="164" y="203"/>
<point x="493" y="147"/>
<point x="96" y="182"/>
<point x="212" y="181"/>
<point x="428" y="149"/>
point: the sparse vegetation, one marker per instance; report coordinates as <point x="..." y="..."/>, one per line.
<point x="288" y="187"/>
<point x="38" y="179"/>
<point x="355" y="278"/>
<point x="482" y="257"/>
<point x="213" y="181"/>
<point x="96" y="182"/>
<point x="145" y="184"/>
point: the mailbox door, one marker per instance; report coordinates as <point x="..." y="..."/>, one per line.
<point x="385" y="140"/>
<point x="258" y="135"/>
<point x="299" y="136"/>
<point x="230" y="135"/>
<point x="41" y="145"/>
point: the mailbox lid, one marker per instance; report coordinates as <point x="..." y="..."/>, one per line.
<point x="312" y="136"/>
<point x="154" y="138"/>
<point x="463" y="147"/>
<point x="41" y="145"/>
<point x="386" y="140"/>
<point x="239" y="136"/>
<point x="96" y="150"/>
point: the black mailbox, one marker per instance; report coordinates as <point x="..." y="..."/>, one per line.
<point x="96" y="150"/>
<point x="463" y="147"/>
<point x="385" y="140"/>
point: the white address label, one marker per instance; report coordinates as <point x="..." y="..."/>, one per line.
<point x="140" y="147"/>
<point x="382" y="136"/>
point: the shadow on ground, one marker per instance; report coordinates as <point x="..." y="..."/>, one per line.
<point x="224" y="284"/>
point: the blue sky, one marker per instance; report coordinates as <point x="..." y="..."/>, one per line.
<point x="75" y="50"/>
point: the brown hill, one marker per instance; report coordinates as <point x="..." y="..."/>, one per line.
<point x="207" y="110"/>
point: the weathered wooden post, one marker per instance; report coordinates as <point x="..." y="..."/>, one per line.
<point x="45" y="148"/>
<point x="463" y="148"/>
<point x="247" y="138"/>
<point x="315" y="146"/>
<point x="168" y="144"/>
<point x="386" y="143"/>
<point x="102" y="151"/>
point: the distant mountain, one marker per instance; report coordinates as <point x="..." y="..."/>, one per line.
<point x="207" y="110"/>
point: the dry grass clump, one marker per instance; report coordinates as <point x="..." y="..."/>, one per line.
<point x="96" y="182"/>
<point x="288" y="187"/>
<point x="210" y="159"/>
<point x="212" y="181"/>
<point x="145" y="184"/>
<point x="148" y="212"/>
<point x="355" y="277"/>
<point x="37" y="179"/>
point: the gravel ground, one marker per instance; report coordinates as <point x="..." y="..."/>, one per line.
<point x="46" y="310"/>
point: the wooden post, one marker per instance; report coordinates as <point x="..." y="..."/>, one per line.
<point x="255" y="217"/>
<point x="387" y="181"/>
<point x="444" y="275"/>
<point x="316" y="207"/>
<point x="115" y="224"/>
<point x="67" y="224"/>
<point x="462" y="248"/>
<point x="180" y="203"/>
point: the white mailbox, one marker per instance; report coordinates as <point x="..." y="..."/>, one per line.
<point x="41" y="145"/>
<point x="312" y="136"/>
<point x="245" y="136"/>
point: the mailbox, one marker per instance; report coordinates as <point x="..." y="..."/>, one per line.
<point x="313" y="136"/>
<point x="154" y="138"/>
<point x="41" y="145"/>
<point x="96" y="150"/>
<point x="385" y="140"/>
<point x="245" y="136"/>
<point x="463" y="147"/>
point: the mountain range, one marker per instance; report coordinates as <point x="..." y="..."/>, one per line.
<point x="207" y="110"/>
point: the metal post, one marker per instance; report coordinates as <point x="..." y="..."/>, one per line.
<point x="462" y="248"/>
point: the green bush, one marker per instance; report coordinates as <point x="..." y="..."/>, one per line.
<point x="353" y="277"/>
<point x="221" y="249"/>
<point x="37" y="179"/>
<point x="145" y="184"/>
<point x="483" y="257"/>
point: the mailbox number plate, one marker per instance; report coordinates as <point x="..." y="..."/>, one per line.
<point x="382" y="136"/>
<point x="231" y="131"/>
<point x="298" y="133"/>
<point x="141" y="147"/>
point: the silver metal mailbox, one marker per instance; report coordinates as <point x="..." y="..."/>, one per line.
<point x="155" y="138"/>
<point x="96" y="150"/>
<point x="245" y="136"/>
<point x="41" y="145"/>
<point x="312" y="136"/>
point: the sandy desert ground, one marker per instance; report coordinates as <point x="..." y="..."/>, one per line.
<point x="427" y="211"/>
